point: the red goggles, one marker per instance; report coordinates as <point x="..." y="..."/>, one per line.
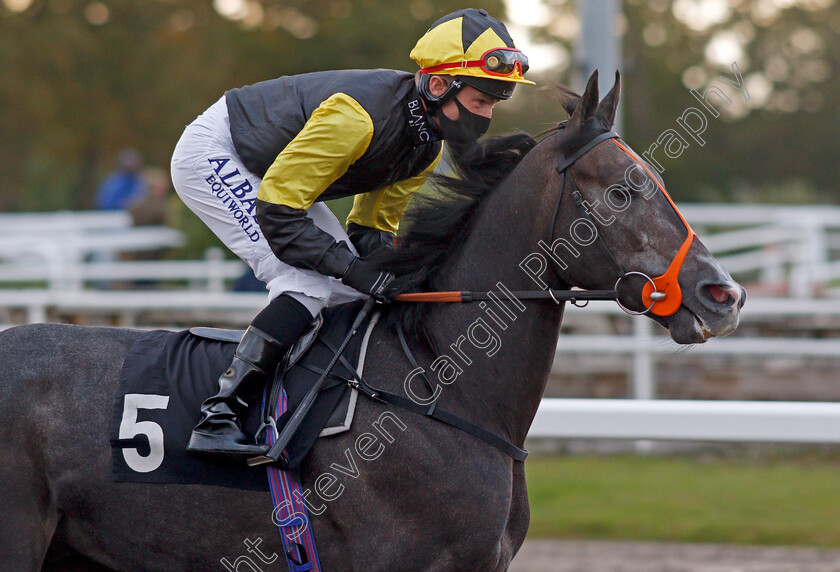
<point x="498" y="61"/>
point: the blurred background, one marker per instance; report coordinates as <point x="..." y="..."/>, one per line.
<point x="94" y="95"/>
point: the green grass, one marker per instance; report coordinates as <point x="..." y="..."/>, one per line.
<point x="783" y="501"/>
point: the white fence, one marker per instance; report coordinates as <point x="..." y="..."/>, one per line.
<point x="35" y="224"/>
<point x="791" y="247"/>
<point x="68" y="275"/>
<point x="641" y="418"/>
<point x="684" y="420"/>
<point x="67" y="251"/>
<point x="795" y="248"/>
<point x="127" y="305"/>
<point x="643" y="347"/>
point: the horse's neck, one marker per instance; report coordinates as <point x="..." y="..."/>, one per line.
<point x="501" y="390"/>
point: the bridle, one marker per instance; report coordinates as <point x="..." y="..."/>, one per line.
<point x="564" y="167"/>
<point x="660" y="290"/>
<point x="662" y="294"/>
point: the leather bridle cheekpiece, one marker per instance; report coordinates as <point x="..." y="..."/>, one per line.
<point x="661" y="295"/>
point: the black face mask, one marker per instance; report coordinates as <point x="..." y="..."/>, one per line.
<point x="466" y="129"/>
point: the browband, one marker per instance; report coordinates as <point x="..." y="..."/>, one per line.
<point x="563" y="163"/>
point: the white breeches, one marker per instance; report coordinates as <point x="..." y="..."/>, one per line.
<point x="212" y="181"/>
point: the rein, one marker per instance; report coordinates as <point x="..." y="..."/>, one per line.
<point x="466" y="296"/>
<point x="662" y="294"/>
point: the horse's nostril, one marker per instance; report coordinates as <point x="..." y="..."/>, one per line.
<point x="717" y="293"/>
<point x="720" y="296"/>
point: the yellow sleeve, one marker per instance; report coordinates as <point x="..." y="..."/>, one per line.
<point x="382" y="209"/>
<point x="337" y="134"/>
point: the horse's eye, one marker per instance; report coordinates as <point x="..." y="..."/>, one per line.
<point x="623" y="189"/>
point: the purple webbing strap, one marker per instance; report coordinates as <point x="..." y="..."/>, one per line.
<point x="290" y="512"/>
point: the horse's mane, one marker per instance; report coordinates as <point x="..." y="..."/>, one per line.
<point x="444" y="218"/>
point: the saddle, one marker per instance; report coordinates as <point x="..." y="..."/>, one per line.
<point x="167" y="375"/>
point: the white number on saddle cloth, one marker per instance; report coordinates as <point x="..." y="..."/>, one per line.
<point x="130" y="427"/>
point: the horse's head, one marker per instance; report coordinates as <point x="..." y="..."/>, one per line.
<point x="614" y="219"/>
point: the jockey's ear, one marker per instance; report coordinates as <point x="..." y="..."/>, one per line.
<point x="438" y="85"/>
<point x="609" y="105"/>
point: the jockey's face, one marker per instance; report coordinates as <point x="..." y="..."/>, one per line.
<point x="474" y="100"/>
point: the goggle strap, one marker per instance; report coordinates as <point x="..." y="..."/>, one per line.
<point x="477" y="63"/>
<point x="450" y="92"/>
<point x="464" y="64"/>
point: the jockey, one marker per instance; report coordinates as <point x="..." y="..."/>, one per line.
<point x="256" y="166"/>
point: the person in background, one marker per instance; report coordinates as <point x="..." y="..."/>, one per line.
<point x="125" y="186"/>
<point x="153" y="207"/>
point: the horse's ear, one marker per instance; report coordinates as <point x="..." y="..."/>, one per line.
<point x="589" y="101"/>
<point x="609" y="105"/>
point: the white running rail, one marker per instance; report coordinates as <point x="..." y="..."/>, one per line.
<point x="688" y="420"/>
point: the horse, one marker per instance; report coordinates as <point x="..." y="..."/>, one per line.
<point x="429" y="497"/>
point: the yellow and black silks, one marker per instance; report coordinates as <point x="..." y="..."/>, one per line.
<point x="326" y="135"/>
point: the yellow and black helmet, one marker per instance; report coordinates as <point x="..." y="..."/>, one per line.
<point x="477" y="48"/>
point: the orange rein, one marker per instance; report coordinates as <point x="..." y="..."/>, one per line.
<point x="429" y="297"/>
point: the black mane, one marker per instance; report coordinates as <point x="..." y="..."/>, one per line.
<point x="437" y="222"/>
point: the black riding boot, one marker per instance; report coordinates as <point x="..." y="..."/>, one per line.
<point x="219" y="433"/>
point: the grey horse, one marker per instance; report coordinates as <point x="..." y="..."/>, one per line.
<point x="424" y="496"/>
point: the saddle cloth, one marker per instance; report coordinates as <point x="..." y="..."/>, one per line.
<point x="167" y="375"/>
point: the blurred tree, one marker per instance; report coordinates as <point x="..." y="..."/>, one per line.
<point x="84" y="78"/>
<point x="788" y="52"/>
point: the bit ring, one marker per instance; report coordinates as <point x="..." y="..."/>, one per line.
<point x="655" y="296"/>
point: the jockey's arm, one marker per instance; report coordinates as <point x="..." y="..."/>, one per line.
<point x="374" y="220"/>
<point x="336" y="135"/>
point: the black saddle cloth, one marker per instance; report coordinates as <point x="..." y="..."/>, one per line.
<point x="167" y="375"/>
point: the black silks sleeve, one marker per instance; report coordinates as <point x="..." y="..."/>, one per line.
<point x="296" y="240"/>
<point x="369" y="241"/>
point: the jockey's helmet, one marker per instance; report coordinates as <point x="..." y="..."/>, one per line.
<point x="475" y="47"/>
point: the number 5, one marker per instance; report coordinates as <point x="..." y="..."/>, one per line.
<point x="130" y="427"/>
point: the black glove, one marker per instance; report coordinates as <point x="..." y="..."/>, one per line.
<point x="363" y="277"/>
<point x="370" y="241"/>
